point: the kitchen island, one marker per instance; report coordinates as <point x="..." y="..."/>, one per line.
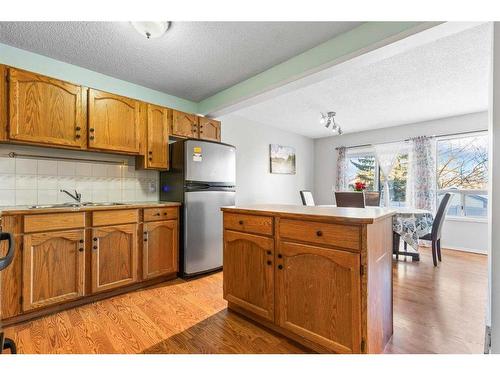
<point x="321" y="276"/>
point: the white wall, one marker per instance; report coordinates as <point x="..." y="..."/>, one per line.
<point x="454" y="235"/>
<point x="255" y="184"/>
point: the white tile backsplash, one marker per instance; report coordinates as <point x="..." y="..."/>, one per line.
<point x="32" y="181"/>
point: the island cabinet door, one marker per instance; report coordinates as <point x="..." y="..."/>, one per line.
<point x="248" y="272"/>
<point x="160" y="249"/>
<point x="318" y="295"/>
<point x="46" y="111"/>
<point x="53" y="268"/>
<point x="114" y="122"/>
<point x="114" y="257"/>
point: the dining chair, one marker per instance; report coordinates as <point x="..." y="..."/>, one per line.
<point x="350" y="199"/>
<point x="307" y="198"/>
<point x="435" y="235"/>
<point x="372" y="198"/>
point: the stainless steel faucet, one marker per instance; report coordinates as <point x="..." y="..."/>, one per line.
<point x="77" y="197"/>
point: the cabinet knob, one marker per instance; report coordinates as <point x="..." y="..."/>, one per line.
<point x="150" y="152"/>
<point x="150" y="158"/>
<point x="280" y="267"/>
<point x="319" y="233"/>
<point x="81" y="241"/>
<point x="91" y="130"/>
<point x="78" y="128"/>
<point x="145" y="232"/>
<point x="164" y="214"/>
<point x="268" y="252"/>
<point x="91" y="137"/>
<point x="80" y="249"/>
<point x="240" y="222"/>
<point x="145" y="240"/>
<point x="269" y="262"/>
<point x="157" y="214"/>
<point x="94" y="247"/>
<point x="77" y="136"/>
<point x="280" y="256"/>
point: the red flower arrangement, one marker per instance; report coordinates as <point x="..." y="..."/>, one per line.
<point x="359" y="186"/>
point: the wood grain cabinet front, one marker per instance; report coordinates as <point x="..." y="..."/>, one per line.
<point x="114" y="122"/>
<point x="318" y="295"/>
<point x="158" y="125"/>
<point x="184" y="124"/>
<point x="114" y="256"/>
<point x="160" y="248"/>
<point x="45" y="110"/>
<point x="53" y="268"/>
<point x="209" y="129"/>
<point x="249" y="272"/>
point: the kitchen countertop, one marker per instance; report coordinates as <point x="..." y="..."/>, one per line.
<point x="366" y="215"/>
<point x="21" y="210"/>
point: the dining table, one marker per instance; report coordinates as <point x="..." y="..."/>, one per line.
<point x="408" y="224"/>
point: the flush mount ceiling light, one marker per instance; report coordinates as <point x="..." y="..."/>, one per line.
<point x="151" y="29"/>
<point x="328" y="119"/>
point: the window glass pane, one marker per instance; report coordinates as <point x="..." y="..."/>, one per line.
<point x="455" y="206"/>
<point x="476" y="205"/>
<point x="361" y="168"/>
<point x="462" y="163"/>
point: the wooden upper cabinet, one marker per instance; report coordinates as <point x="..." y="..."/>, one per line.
<point x="318" y="295"/>
<point x="53" y="268"/>
<point x="209" y="129"/>
<point x="158" y="125"/>
<point x="46" y="110"/>
<point x="160" y="249"/>
<point x="249" y="273"/>
<point x="184" y="124"/>
<point x="3" y="103"/>
<point x="114" y="256"/>
<point x="114" y="122"/>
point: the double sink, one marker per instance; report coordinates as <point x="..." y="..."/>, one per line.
<point x="76" y="205"/>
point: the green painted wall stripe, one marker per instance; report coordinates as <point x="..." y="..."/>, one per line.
<point x="358" y="38"/>
<point x="47" y="66"/>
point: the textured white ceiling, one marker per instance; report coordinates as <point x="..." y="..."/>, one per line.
<point x="193" y="60"/>
<point x="444" y="78"/>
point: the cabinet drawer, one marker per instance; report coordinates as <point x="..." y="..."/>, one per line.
<point x="249" y="223"/>
<point x="338" y="235"/>
<point x="115" y="217"/>
<point x="47" y="222"/>
<point x="160" y="213"/>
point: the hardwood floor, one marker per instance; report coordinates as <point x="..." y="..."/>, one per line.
<point x="436" y="310"/>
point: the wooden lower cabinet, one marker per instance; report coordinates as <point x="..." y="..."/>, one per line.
<point x="160" y="248"/>
<point x="53" y="268"/>
<point x="318" y="295"/>
<point x="114" y="257"/>
<point x="249" y="273"/>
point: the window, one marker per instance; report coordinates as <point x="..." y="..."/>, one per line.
<point x="364" y="167"/>
<point x="462" y="169"/>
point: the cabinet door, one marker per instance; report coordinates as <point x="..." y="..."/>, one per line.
<point x="114" y="257"/>
<point x="209" y="129"/>
<point x="46" y="110"/>
<point x="160" y="249"/>
<point x="318" y="295"/>
<point x="53" y="268"/>
<point x="114" y="122"/>
<point x="157" y="143"/>
<point x="184" y="124"/>
<point x="249" y="273"/>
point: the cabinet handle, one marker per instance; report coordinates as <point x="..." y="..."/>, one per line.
<point x="240" y="222"/>
<point x="77" y="136"/>
<point x="150" y="158"/>
<point x="165" y="214"/>
<point x="91" y="137"/>
<point x="95" y="238"/>
<point x="280" y="267"/>
<point x="269" y="262"/>
<point x="77" y="128"/>
<point x="80" y="249"/>
<point x="145" y="232"/>
<point x="91" y="130"/>
<point x="150" y="152"/>
<point x="319" y="233"/>
<point x="81" y="241"/>
<point x="268" y="252"/>
<point x="280" y="256"/>
<point x="94" y="247"/>
<point x="145" y="240"/>
<point x="157" y="214"/>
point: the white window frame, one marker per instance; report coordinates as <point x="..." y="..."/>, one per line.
<point x="462" y="192"/>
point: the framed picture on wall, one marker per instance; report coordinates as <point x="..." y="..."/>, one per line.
<point x="282" y="159"/>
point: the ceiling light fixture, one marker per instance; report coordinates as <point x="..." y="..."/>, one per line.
<point x="151" y="29"/>
<point x="328" y="119"/>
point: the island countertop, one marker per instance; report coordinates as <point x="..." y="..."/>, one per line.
<point x="351" y="215"/>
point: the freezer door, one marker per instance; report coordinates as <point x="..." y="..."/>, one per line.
<point x="210" y="162"/>
<point x="203" y="229"/>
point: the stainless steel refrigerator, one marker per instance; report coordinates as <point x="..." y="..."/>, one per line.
<point x="202" y="177"/>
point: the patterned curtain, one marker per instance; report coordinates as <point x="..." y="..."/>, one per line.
<point x="387" y="155"/>
<point x="421" y="185"/>
<point x="341" y="181"/>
